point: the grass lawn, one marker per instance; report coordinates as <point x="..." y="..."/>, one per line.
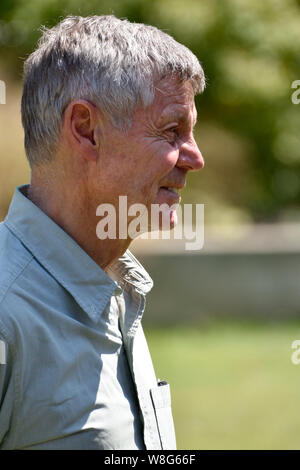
<point x="233" y="385"/>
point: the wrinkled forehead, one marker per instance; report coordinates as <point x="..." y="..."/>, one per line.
<point x="174" y="100"/>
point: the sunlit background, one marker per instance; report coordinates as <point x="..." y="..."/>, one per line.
<point x="220" y="321"/>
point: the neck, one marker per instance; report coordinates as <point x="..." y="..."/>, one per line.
<point x="75" y="213"/>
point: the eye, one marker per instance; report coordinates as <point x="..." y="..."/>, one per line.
<point x="171" y="133"/>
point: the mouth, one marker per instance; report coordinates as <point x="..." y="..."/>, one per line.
<point x="170" y="193"/>
<point x="170" y="189"/>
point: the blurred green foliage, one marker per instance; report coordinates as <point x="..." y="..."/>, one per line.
<point x="233" y="384"/>
<point x="250" y="51"/>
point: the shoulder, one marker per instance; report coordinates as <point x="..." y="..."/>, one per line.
<point x="24" y="282"/>
<point x="31" y="296"/>
<point x="14" y="258"/>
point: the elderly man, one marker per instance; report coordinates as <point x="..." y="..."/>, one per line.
<point x="108" y="110"/>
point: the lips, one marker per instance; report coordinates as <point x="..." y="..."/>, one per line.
<point x="169" y="191"/>
<point x="169" y="194"/>
<point x="170" y="188"/>
<point x="175" y="187"/>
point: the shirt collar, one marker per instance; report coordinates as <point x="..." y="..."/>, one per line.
<point x="127" y="269"/>
<point x="90" y="286"/>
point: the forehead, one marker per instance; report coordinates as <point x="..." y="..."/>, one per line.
<point x="174" y="100"/>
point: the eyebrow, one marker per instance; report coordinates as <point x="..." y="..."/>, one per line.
<point x="180" y="117"/>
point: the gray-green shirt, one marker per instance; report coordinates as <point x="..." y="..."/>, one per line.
<point x="75" y="369"/>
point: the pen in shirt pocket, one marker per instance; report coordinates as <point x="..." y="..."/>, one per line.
<point x="161" y="382"/>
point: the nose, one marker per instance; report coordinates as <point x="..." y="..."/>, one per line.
<point x="190" y="156"/>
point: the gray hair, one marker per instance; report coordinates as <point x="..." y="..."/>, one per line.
<point x="111" y="62"/>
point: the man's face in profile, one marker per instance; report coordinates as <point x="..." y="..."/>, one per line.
<point x="149" y="162"/>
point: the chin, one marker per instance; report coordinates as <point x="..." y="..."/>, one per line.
<point x="173" y="219"/>
<point x="168" y="220"/>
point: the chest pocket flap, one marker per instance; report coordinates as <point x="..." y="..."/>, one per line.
<point x="161" y="399"/>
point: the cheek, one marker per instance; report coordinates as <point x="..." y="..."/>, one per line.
<point x="160" y="166"/>
<point x="171" y="156"/>
<point x="165" y="159"/>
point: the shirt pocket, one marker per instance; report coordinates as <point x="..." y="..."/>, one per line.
<point x="161" y="399"/>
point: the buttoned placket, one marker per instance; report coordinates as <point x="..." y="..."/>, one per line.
<point x="132" y="284"/>
<point x="151" y="438"/>
<point x="120" y="302"/>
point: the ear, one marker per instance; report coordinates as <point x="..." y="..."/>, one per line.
<point x="82" y="129"/>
